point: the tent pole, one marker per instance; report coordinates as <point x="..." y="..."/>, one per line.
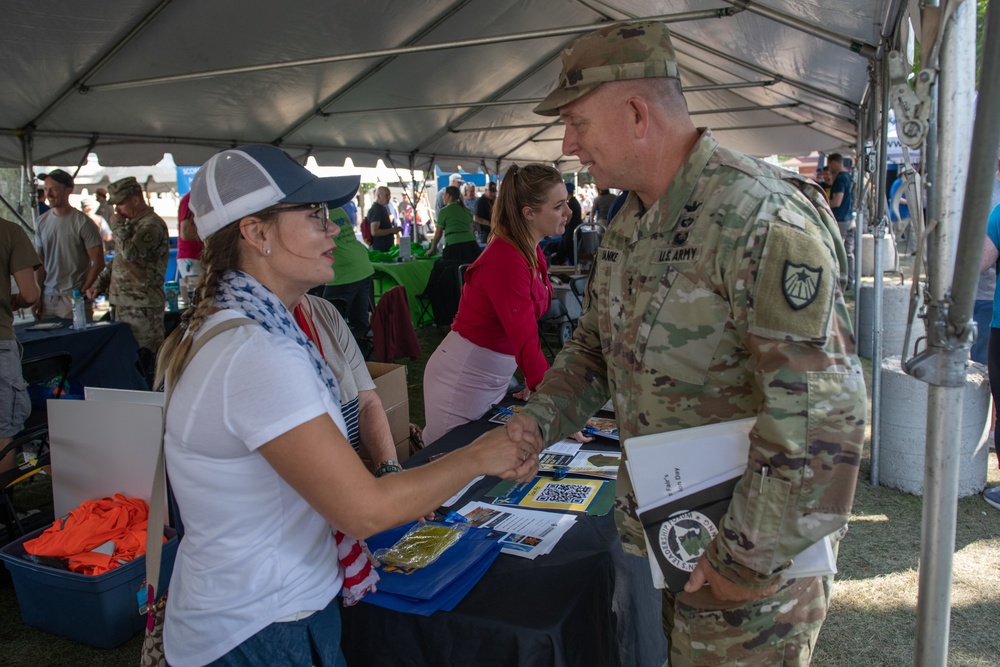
<point x="17" y="215"/>
<point x="857" y="46"/>
<point x="978" y="191"/>
<point x="942" y="364"/>
<point x="400" y="51"/>
<point x="27" y="140"/>
<point x="877" y="292"/>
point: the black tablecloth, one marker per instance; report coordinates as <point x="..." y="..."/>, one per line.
<point x="104" y="354"/>
<point x="585" y="604"/>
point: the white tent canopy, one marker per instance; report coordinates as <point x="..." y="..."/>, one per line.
<point x="422" y="83"/>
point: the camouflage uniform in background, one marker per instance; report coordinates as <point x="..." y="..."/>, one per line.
<point x="724" y="300"/>
<point x="133" y="280"/>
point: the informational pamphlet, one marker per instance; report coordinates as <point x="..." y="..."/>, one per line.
<point x="583" y="463"/>
<point x="522" y="532"/>
<point x="568" y="495"/>
<point x="596" y="426"/>
<point x="684" y="482"/>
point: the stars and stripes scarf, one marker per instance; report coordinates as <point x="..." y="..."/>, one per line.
<point x="241" y="292"/>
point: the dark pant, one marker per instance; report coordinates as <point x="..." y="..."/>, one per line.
<point x="993" y="365"/>
<point x="847" y="235"/>
<point x="354" y="297"/>
<point x="982" y="314"/>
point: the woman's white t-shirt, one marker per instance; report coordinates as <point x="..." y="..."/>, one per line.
<point x="253" y="550"/>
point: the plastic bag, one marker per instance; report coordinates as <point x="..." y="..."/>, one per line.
<point x="421" y="545"/>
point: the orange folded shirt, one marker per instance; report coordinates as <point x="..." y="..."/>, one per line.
<point x="118" y="519"/>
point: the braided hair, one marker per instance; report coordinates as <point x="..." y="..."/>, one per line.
<point x="221" y="254"/>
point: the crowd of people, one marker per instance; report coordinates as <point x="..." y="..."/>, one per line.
<point x="717" y="294"/>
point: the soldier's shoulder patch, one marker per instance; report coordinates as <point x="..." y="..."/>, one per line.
<point x="800" y="284"/>
<point x="794" y="291"/>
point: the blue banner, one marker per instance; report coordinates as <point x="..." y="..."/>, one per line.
<point x="184" y="177"/>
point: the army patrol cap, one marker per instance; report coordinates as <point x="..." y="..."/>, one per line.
<point x="619" y="52"/>
<point x="122" y="189"/>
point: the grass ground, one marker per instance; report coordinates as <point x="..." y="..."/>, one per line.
<point x="872" y="618"/>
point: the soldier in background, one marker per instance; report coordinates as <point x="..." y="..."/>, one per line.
<point x="133" y="280"/>
<point x="716" y="294"/>
<point x="104" y="209"/>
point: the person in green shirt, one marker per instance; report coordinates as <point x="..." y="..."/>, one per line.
<point x="352" y="283"/>
<point x="455" y="224"/>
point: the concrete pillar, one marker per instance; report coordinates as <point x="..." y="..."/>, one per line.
<point x="903" y="422"/>
<point x="895" y="309"/>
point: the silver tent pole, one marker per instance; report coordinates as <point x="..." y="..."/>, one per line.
<point x="877" y="293"/>
<point x="942" y="364"/>
<point x="863" y="215"/>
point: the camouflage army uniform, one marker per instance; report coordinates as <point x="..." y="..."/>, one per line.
<point x="135" y="276"/>
<point x="721" y="301"/>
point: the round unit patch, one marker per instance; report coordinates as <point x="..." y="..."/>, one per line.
<point x="684" y="537"/>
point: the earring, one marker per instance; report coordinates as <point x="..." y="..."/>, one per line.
<point x="267" y="251"/>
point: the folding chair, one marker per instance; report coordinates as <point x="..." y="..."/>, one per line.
<point x="40" y="370"/>
<point x="32" y="447"/>
<point x="424" y="316"/>
<point x="462" y="268"/>
<point x="578" y="286"/>
<point x="557" y="314"/>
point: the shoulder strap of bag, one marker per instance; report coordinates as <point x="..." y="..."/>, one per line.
<point x="157" y="499"/>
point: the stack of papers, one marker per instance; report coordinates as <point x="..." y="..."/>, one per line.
<point x="567" y="459"/>
<point x="684" y="482"/>
<point x="596" y="426"/>
<point x="442" y="584"/>
<point x="525" y="533"/>
<point x="572" y="494"/>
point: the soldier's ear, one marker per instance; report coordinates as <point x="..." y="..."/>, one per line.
<point x="638" y="116"/>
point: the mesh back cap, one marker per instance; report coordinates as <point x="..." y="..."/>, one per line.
<point x="241" y="181"/>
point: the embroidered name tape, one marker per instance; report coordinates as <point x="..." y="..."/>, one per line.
<point x="608" y="255"/>
<point x="685" y="254"/>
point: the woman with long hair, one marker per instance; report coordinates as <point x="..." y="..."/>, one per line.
<point x="454" y="223"/>
<point x="506" y="290"/>
<point x="272" y="496"/>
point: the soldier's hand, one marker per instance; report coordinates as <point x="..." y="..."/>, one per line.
<point x="722" y="588"/>
<point x="36" y="308"/>
<point x="91" y="293"/>
<point x="522" y="428"/>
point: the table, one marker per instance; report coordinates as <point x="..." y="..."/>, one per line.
<point x="413" y="275"/>
<point x="104" y="354"/>
<point x="587" y="603"/>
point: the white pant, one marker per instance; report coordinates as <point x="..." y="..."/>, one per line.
<point x="462" y="381"/>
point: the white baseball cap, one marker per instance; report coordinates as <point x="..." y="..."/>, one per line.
<point x="241" y="181"/>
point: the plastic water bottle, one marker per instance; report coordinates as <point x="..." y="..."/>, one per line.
<point x="172" y="291"/>
<point x="79" y="311"/>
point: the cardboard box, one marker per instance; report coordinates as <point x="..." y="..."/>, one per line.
<point x="390" y="385"/>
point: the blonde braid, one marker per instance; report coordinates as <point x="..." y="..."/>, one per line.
<point x="221" y="253"/>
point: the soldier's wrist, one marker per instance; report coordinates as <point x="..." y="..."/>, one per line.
<point x="718" y="556"/>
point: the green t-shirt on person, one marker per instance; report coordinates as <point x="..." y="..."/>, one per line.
<point x="456" y="221"/>
<point x="351" y="256"/>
